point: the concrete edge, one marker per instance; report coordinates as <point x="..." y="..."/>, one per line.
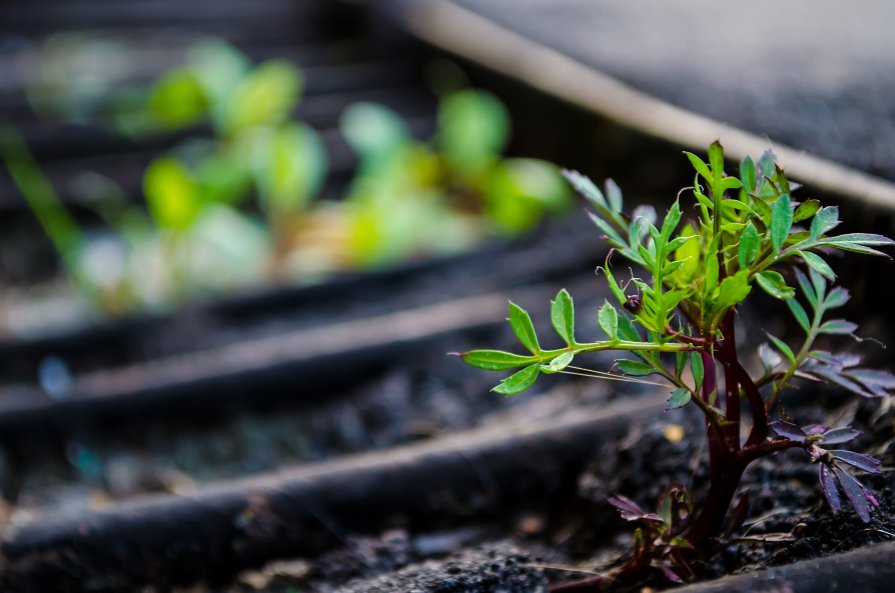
<point x="462" y="32"/>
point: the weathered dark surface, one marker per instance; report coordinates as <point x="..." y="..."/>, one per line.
<point x="303" y="511"/>
<point x="868" y="570"/>
<point x="818" y="76"/>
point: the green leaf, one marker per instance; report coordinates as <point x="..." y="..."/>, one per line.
<point x="519" y="382"/>
<point x="781" y="222"/>
<point x="750" y="243"/>
<point x="584" y="186"/>
<point x="774" y="284"/>
<point x="558" y="363"/>
<point x="373" y="131"/>
<point x="177" y="99"/>
<point x="825" y="220"/>
<point x="607" y="317"/>
<point x="858" y="242"/>
<point x="716" y="161"/>
<point x="562" y="315"/>
<point x="817" y="263"/>
<point x="696" y="367"/>
<point x="473" y="129"/>
<point x="799" y="313"/>
<point x="626" y="330"/>
<point x="679" y="398"/>
<point x="747" y="173"/>
<point x="688" y="253"/>
<point x="733" y="290"/>
<point x="290" y="168"/>
<point x="171" y="194"/>
<point x="730" y="183"/>
<point x="265" y="97"/>
<point x="837" y="298"/>
<point x="614" y="193"/>
<point x="495" y="360"/>
<point x="700" y="166"/>
<point x="807" y="289"/>
<point x="671" y="220"/>
<point x="524" y="329"/>
<point x="819" y="284"/>
<point x="838" y="326"/>
<point x="783" y="348"/>
<point x="634" y="368"/>
<point x="806" y="209"/>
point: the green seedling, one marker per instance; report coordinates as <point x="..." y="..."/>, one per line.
<point x="678" y="324"/>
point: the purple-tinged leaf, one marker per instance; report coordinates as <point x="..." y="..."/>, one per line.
<point x="814" y="428"/>
<point x="837" y="436"/>
<point x="857" y="495"/>
<point x="630" y="510"/>
<point x="862" y="238"/>
<point x="844" y="382"/>
<point x="838" y="326"/>
<point x="840" y="361"/>
<point x="837" y="298"/>
<point x="788" y="430"/>
<point x="828" y="487"/>
<point x="669" y="574"/>
<point x="880" y="383"/>
<point x="859" y="460"/>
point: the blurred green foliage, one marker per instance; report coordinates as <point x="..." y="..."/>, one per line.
<point x="203" y="233"/>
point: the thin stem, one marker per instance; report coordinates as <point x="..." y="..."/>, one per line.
<point x="731" y="387"/>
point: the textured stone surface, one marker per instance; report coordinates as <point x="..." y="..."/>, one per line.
<point x="815" y="74"/>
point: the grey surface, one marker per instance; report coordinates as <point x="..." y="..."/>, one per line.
<point x="818" y="75"/>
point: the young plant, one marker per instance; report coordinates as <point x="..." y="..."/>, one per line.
<point x="680" y="317"/>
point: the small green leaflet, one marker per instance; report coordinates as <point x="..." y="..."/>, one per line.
<point x="562" y="315"/>
<point x="806" y="210"/>
<point x="679" y="398"/>
<point x="700" y="166"/>
<point x="825" y="220"/>
<point x="798" y="311"/>
<point x="522" y="326"/>
<point x="818" y="264"/>
<point x="586" y="188"/>
<point x="607" y="317"/>
<point x="747" y="173"/>
<point x="716" y="162"/>
<point x="672" y="219"/>
<point x="558" y="363"/>
<point x="697" y="369"/>
<point x="750" y="243"/>
<point x="781" y="222"/>
<point x="634" y="368"/>
<point x="733" y="290"/>
<point x="783" y="347"/>
<point x="774" y="284"/>
<point x="518" y="382"/>
<point x="495" y="360"/>
<point x="626" y="329"/>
